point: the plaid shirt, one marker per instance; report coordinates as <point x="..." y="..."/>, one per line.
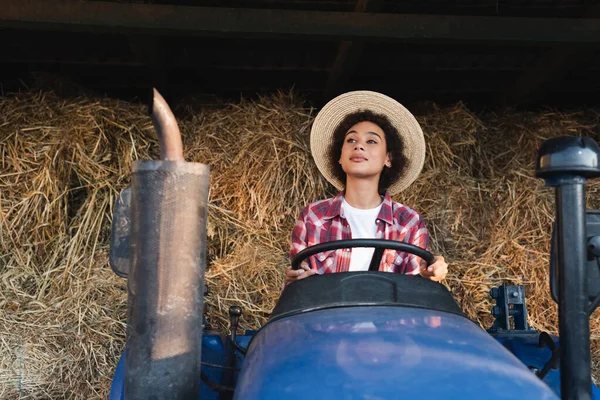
<point x="324" y="221"/>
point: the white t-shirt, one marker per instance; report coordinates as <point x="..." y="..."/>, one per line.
<point x="363" y="226"/>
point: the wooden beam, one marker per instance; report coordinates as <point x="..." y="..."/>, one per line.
<point x="347" y="56"/>
<point x="284" y="24"/>
<point x="553" y="64"/>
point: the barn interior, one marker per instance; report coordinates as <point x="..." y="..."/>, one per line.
<point x="487" y="80"/>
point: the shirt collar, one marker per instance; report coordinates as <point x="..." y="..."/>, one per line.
<point x="385" y="214"/>
<point x="335" y="209"/>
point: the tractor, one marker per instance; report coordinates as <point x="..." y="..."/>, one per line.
<point x="357" y="335"/>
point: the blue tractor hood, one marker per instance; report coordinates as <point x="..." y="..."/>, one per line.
<point x="376" y="336"/>
<point x="382" y="353"/>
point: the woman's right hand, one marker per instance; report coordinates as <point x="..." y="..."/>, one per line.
<point x="295" y="275"/>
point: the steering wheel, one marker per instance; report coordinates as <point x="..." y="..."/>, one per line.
<point x="379" y="244"/>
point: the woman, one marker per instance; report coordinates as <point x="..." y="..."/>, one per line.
<point x="370" y="148"/>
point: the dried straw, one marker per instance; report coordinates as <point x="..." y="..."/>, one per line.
<point x="62" y="310"/>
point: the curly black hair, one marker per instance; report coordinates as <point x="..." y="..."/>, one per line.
<point x="394" y="146"/>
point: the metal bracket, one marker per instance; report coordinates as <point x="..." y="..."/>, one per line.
<point x="510" y="307"/>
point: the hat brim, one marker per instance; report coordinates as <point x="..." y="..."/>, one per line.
<point x="334" y="112"/>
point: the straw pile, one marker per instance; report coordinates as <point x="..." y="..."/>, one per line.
<point x="62" y="310"/>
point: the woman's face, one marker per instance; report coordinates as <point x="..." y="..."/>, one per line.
<point x="364" y="152"/>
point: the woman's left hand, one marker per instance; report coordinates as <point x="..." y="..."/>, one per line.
<point x="436" y="271"/>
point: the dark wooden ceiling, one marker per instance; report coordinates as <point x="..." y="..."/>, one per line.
<point x="516" y="52"/>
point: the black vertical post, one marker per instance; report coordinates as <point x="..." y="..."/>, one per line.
<point x="574" y="324"/>
<point x="566" y="163"/>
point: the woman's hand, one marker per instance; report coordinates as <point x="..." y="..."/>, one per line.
<point x="295" y="275"/>
<point x="436" y="271"/>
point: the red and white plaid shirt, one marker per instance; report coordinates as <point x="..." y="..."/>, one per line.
<point x="324" y="221"/>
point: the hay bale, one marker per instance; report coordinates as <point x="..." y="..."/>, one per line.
<point x="62" y="310"/>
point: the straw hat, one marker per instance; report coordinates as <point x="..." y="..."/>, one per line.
<point x="330" y="116"/>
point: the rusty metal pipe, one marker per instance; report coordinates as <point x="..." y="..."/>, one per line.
<point x="169" y="202"/>
<point x="165" y="124"/>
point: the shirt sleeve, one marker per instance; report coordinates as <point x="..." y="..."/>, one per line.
<point x="299" y="232"/>
<point x="419" y="236"/>
<point x="298" y="238"/>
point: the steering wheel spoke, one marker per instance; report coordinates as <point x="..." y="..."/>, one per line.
<point x="376" y="259"/>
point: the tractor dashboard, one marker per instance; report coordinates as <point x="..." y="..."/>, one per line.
<point x="351" y="289"/>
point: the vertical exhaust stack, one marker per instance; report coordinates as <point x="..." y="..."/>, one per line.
<point x="169" y="200"/>
<point x="566" y="163"/>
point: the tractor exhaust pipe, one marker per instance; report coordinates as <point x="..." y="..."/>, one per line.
<point x="169" y="200"/>
<point x="169" y="137"/>
<point x="566" y="163"/>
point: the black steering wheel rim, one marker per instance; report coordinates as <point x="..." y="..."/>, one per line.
<point x="379" y="244"/>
